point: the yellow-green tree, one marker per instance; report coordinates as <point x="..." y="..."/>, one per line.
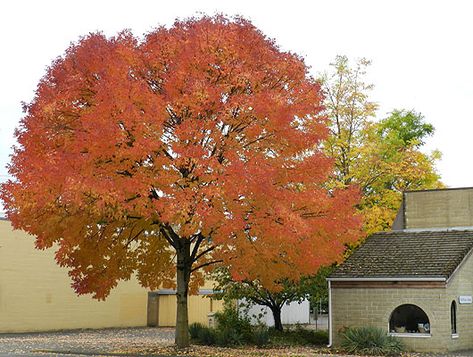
<point x="383" y="157"/>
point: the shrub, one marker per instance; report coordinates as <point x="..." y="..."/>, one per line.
<point x="195" y="329"/>
<point x="299" y="336"/>
<point x="370" y="341"/>
<point x="229" y="337"/>
<point x="311" y="337"/>
<point x="231" y="319"/>
<point x="234" y="328"/>
<point x="207" y="336"/>
<point x="260" y="335"/>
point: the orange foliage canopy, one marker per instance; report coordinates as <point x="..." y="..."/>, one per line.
<point x="205" y="132"/>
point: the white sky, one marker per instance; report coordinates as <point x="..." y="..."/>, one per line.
<point x="422" y="52"/>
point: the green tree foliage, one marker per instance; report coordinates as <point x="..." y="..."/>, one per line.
<point x="405" y="128"/>
<point x="383" y="157"/>
<point x="309" y="287"/>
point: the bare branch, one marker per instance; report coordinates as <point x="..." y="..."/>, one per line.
<point x="206" y="264"/>
<point x="201" y="254"/>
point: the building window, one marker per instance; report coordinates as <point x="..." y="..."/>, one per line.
<point x="409" y="318"/>
<point x="453" y="317"/>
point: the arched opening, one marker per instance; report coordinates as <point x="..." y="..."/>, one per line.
<point x="409" y="318"/>
<point x="453" y="317"/>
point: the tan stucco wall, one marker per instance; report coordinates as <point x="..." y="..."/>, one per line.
<point x="35" y="293"/>
<point x="199" y="307"/>
<point x="442" y="208"/>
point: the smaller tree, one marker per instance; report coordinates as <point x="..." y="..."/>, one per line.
<point x="313" y="288"/>
<point x="349" y="110"/>
<point x="317" y="287"/>
<point x="382" y="157"/>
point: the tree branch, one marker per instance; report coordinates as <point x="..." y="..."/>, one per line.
<point x="201" y="254"/>
<point x="200" y="238"/>
<point x="206" y="264"/>
<point x="170" y="235"/>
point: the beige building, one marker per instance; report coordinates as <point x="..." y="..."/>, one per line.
<point x="444" y="208"/>
<point x="162" y="307"/>
<point x="35" y="295"/>
<point x="415" y="282"/>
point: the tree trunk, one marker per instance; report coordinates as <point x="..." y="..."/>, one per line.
<point x="276" y="310"/>
<point x="183" y="277"/>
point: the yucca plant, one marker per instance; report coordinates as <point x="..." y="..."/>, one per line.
<point x="370" y="341"/>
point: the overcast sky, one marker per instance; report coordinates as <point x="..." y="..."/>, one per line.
<point x="422" y="52"/>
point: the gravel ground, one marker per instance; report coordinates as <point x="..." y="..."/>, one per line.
<point x="84" y="342"/>
<point x="156" y="342"/>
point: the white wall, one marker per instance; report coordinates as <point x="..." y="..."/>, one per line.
<point x="294" y="313"/>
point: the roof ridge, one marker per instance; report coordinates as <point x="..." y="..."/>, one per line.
<point x="424" y="230"/>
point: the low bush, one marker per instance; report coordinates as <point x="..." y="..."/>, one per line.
<point x="311" y="337"/>
<point x="370" y="341"/>
<point x="260" y="336"/>
<point x="299" y="336"/>
<point x="229" y="337"/>
<point x="207" y="336"/>
<point x="233" y="328"/>
<point x="195" y="329"/>
<point x="233" y="324"/>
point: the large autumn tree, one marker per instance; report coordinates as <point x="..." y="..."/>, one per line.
<point x="196" y="146"/>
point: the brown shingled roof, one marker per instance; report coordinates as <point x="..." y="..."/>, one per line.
<point x="408" y="254"/>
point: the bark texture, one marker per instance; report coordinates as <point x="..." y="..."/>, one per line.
<point x="184" y="264"/>
<point x="276" y="310"/>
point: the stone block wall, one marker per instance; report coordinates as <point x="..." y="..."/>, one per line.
<point x="461" y="284"/>
<point x="358" y="307"/>
<point x="438" y="208"/>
